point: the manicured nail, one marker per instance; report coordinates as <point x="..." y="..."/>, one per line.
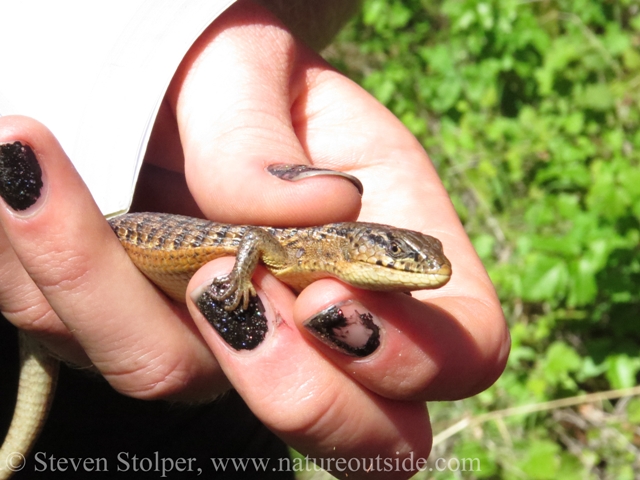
<point x="20" y="175"/>
<point x="293" y="173"/>
<point x="348" y="328"/>
<point x="242" y="329"/>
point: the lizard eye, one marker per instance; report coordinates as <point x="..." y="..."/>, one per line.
<point x="396" y="248"/>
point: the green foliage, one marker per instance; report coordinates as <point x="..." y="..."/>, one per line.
<point x="530" y="112"/>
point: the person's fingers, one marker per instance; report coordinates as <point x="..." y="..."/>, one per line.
<point x="466" y="340"/>
<point x="305" y="399"/>
<point x="397" y="346"/>
<point x="233" y="96"/>
<point x="289" y="102"/>
<point x="22" y="303"/>
<point x="143" y="344"/>
<point x="401" y="188"/>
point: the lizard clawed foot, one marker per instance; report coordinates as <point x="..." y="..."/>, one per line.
<point x="232" y="292"/>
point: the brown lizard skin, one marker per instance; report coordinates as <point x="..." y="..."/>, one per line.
<point x="170" y="248"/>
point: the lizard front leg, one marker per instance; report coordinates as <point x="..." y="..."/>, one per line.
<point x="235" y="289"/>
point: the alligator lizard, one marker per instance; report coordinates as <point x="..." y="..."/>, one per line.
<point x="169" y="249"/>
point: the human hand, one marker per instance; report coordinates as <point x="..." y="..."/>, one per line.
<point x="276" y="102"/>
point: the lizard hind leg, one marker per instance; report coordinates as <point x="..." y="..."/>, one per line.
<point x="232" y="292"/>
<point x="236" y="289"/>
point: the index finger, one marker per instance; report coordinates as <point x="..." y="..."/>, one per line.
<point x="143" y="344"/>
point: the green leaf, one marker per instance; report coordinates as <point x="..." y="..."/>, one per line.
<point x="633" y="410"/>
<point x="542" y="460"/>
<point x="560" y="363"/>
<point x="622" y="370"/>
<point x="615" y="40"/>
<point x="583" y="286"/>
<point x="631" y="59"/>
<point x="596" y="97"/>
<point x="477" y="458"/>
<point x="543" y="278"/>
<point x="484" y="245"/>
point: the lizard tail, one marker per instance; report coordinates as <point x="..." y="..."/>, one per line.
<point x="38" y="375"/>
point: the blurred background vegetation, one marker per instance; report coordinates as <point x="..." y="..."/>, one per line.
<point x="530" y="111"/>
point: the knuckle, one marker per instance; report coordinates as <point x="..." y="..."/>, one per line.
<point x="156" y="379"/>
<point x="59" y="270"/>
<point x="31" y="317"/>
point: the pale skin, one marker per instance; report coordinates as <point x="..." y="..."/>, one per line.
<point x="248" y="95"/>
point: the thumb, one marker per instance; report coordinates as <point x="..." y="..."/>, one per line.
<point x="233" y="96"/>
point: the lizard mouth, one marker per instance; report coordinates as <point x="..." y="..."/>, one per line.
<point x="373" y="277"/>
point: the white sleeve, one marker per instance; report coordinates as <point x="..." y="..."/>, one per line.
<point x="95" y="73"/>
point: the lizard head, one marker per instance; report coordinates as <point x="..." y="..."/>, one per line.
<point x="394" y="259"/>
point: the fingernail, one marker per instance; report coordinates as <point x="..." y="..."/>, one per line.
<point x="293" y="173"/>
<point x="242" y="329"/>
<point x="20" y="176"/>
<point x="347" y="327"/>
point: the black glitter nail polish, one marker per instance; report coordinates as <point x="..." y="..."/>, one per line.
<point x="348" y="328"/>
<point x="20" y="175"/>
<point x="241" y="329"/>
<point x="293" y="173"/>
